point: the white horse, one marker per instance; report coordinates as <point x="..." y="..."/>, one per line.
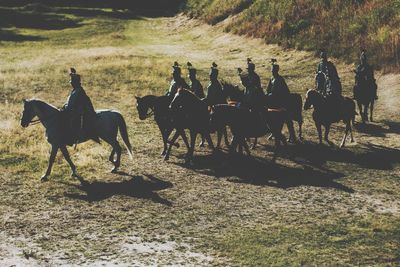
<point x="106" y="125"/>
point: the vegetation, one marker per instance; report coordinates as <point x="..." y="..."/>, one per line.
<point x="317" y="205"/>
<point x="342" y="27"/>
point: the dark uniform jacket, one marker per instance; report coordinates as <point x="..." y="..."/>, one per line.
<point x="255" y="80"/>
<point x="277" y="91"/>
<point x="334" y="85"/>
<point x="215" y="94"/>
<point x="196" y="87"/>
<point x="78" y="103"/>
<point x="175" y="85"/>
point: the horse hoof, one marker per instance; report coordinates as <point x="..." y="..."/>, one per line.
<point x="114" y="170"/>
<point x="44" y="178"/>
<point x="201" y="145"/>
<point x="166" y="158"/>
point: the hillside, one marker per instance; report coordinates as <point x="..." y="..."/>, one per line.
<point x="340" y="26"/>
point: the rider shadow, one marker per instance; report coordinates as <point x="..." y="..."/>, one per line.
<point x="263" y="172"/>
<point x="136" y="187"/>
<point x="368" y="155"/>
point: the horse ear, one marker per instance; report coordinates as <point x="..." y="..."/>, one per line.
<point x="137" y="98"/>
<point x="24" y="100"/>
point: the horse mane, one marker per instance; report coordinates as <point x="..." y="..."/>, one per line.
<point x="41" y="103"/>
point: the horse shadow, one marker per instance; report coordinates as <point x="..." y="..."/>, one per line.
<point x="263" y="172"/>
<point x="136" y="187"/>
<point x="378" y="130"/>
<point x="369" y="156"/>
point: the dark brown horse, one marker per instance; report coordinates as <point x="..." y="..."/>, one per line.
<point x="294" y="108"/>
<point x="246" y="124"/>
<point x="364" y="94"/>
<point x="328" y="111"/>
<point x="189" y="112"/>
<point x="158" y="106"/>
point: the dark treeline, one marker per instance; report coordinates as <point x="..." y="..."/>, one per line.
<point x="159" y="6"/>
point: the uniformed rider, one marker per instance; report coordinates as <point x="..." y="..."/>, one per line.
<point x="253" y="76"/>
<point x="194" y="84"/>
<point x="277" y="90"/>
<point x="215" y="94"/>
<point x="365" y="75"/>
<point x="79" y="111"/>
<point x="332" y="84"/>
<point x="177" y="81"/>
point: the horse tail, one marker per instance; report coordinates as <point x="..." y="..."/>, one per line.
<point x="124" y="134"/>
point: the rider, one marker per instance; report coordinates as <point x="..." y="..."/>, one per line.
<point x="333" y="86"/>
<point x="366" y="73"/>
<point x="277" y="90"/>
<point x="253" y="76"/>
<point x="79" y="110"/>
<point x="194" y="84"/>
<point x="215" y="94"/>
<point x="177" y="81"/>
<point x="251" y="96"/>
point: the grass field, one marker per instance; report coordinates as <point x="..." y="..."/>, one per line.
<point x="316" y="206"/>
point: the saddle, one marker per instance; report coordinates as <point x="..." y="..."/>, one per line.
<point x="78" y="128"/>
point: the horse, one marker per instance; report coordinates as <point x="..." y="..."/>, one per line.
<point x="365" y="97"/>
<point x="246" y="124"/>
<point x="158" y="106"/>
<point x="107" y="123"/>
<point x="190" y="112"/>
<point x="324" y="114"/>
<point x="294" y="108"/>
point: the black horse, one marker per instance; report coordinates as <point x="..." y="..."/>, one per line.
<point x="325" y="113"/>
<point x="189" y="112"/>
<point x="159" y="107"/>
<point x="246" y="124"/>
<point x="365" y="96"/>
<point x="294" y="108"/>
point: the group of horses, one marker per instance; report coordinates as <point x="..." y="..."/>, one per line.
<point x="187" y="112"/>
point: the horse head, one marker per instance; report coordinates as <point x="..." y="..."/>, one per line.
<point x="142" y="107"/>
<point x="312" y="97"/>
<point x="28" y="113"/>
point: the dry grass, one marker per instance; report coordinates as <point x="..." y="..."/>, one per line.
<point x="315" y="206"/>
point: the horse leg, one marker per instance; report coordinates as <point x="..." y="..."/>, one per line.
<point x="276" y="147"/>
<point x="53" y="153"/>
<point x="202" y="141"/>
<point x="232" y="148"/>
<point x="351" y="134"/>
<point x="326" y="137"/>
<point x="226" y="137"/>
<point x="366" y="112"/>
<point x="111" y="158"/>
<point x="361" y="111"/>
<point x="246" y="147"/>
<point x="189" y="155"/>
<point x="209" y="141"/>
<point x="117" y="149"/>
<point x="184" y="138"/>
<point x="65" y="153"/>
<point x="371" y="111"/>
<point x="254" y="143"/>
<point x="292" y="134"/>
<point x="300" y="130"/>
<point x="164" y="133"/>
<point x="348" y="127"/>
<point x="173" y="140"/>
<point x="319" y="132"/>
<point x="219" y="139"/>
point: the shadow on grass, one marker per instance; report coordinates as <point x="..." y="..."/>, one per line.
<point x="260" y="171"/>
<point x="20" y="18"/>
<point x="136" y="187"/>
<point x="7" y="36"/>
<point x="378" y="130"/>
<point x="367" y="156"/>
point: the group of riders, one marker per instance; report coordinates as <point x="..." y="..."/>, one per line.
<point x="80" y="113"/>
